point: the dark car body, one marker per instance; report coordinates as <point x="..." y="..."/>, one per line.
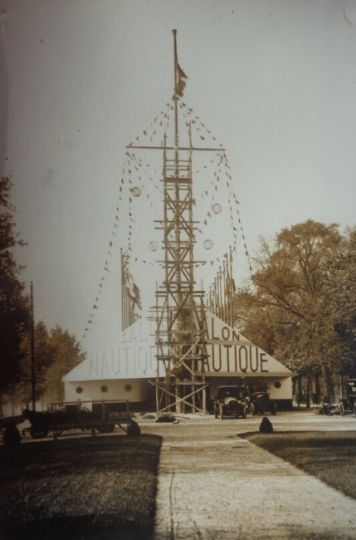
<point x="261" y="403"/>
<point x="231" y="401"/>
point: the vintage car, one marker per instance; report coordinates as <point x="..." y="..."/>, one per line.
<point x="347" y="403"/>
<point x="262" y="403"/>
<point x="231" y="401"/>
<point x="349" y="399"/>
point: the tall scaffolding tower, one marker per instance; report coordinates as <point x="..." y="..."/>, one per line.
<point x="181" y="330"/>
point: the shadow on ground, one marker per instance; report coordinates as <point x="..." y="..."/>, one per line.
<point x="85" y="488"/>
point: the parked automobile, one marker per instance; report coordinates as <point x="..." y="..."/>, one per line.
<point x="231" y="401"/>
<point x="351" y="394"/>
<point x="333" y="408"/>
<point x="261" y="403"/>
<point x="347" y="403"/>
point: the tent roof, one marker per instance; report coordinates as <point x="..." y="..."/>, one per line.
<point x="132" y="355"/>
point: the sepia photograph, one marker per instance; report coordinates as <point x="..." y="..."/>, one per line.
<point x="178" y="269"/>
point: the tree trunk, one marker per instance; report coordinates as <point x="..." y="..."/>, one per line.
<point x="308" y="396"/>
<point x="325" y="384"/>
<point x="331" y="388"/>
<point x="299" y="389"/>
<point x="317" y="387"/>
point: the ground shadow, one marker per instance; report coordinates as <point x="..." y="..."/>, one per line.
<point x="85" y="488"/>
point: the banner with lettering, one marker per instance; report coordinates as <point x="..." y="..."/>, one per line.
<point x="131" y="356"/>
<point x="231" y="353"/>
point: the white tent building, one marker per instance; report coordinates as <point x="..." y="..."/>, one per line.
<point x="123" y="370"/>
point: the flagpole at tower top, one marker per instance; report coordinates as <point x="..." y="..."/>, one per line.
<point x="175" y="98"/>
<point x="179" y="81"/>
<point x="175" y="59"/>
<point x="179" y="85"/>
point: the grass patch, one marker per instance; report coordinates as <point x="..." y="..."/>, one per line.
<point x="330" y="456"/>
<point x="103" y="487"/>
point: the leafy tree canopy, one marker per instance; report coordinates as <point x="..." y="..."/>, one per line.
<point x="57" y="352"/>
<point x="301" y="306"/>
<point x="14" y="310"/>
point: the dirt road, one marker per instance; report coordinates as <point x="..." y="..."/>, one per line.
<point x="214" y="485"/>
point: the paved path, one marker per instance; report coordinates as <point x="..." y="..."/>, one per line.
<point x="215" y="486"/>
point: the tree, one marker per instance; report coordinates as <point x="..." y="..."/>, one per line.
<point x="289" y="296"/>
<point x="14" y="309"/>
<point x="254" y="319"/>
<point x="44" y="358"/>
<point x="66" y="355"/>
<point x="340" y="300"/>
<point x="57" y="352"/>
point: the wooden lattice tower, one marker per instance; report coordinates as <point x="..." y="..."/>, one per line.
<point x="181" y="330"/>
<point x="180" y="313"/>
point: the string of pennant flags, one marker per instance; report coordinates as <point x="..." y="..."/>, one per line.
<point x="234" y="200"/>
<point x="213" y="209"/>
<point x="137" y="165"/>
<point x="219" y="175"/>
<point x="199" y="126"/>
<point x="234" y="212"/>
<point x="196" y="124"/>
<point x="133" y="182"/>
<point x="143" y="168"/>
<point x="108" y="257"/>
<point x="214" y="182"/>
<point x="125" y="192"/>
<point x="157" y="127"/>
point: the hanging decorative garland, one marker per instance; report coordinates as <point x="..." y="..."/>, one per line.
<point x="237" y="210"/>
<point x="108" y="257"/>
<point x="155" y="129"/>
<point x="132" y="187"/>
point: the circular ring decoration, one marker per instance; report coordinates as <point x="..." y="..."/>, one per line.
<point x="79" y="389"/>
<point x="208" y="244"/>
<point x="217" y="208"/>
<point x="104" y="388"/>
<point x="136" y="191"/>
<point x="153" y="246"/>
<point x="128" y="387"/>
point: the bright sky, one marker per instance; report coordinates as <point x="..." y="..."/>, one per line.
<point x="275" y="81"/>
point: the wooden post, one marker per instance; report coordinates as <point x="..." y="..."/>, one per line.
<point x="33" y="350"/>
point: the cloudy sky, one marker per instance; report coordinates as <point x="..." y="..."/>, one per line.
<point x="274" y="80"/>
